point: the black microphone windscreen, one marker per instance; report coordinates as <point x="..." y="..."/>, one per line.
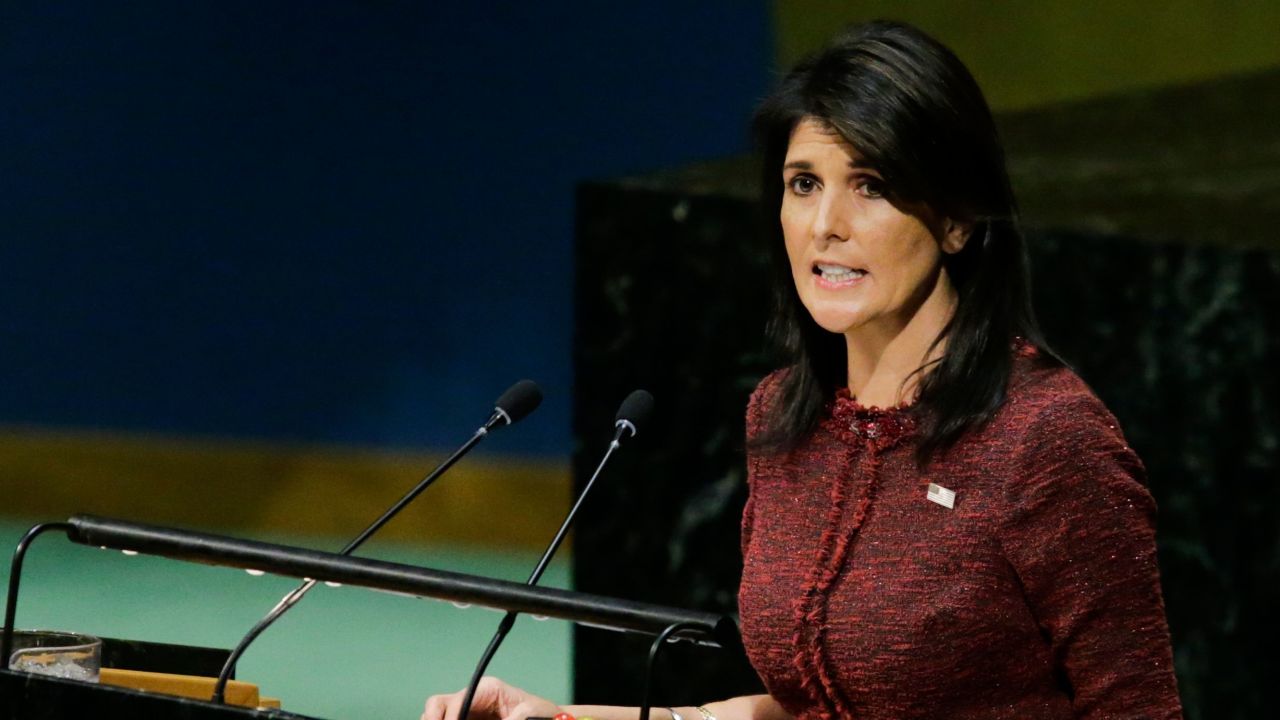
<point x="636" y="408"/>
<point x="519" y="400"/>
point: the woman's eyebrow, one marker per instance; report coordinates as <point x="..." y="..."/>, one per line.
<point x="856" y="164"/>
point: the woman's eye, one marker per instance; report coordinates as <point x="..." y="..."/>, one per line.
<point x="803" y="185"/>
<point x="872" y="187"/>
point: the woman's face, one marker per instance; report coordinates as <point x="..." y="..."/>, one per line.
<point x="861" y="261"/>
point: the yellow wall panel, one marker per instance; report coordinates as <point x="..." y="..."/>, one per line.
<point x="270" y="488"/>
<point x="1028" y="53"/>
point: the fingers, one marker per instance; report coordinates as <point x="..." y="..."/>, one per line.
<point x="434" y="708"/>
<point x="486" y="704"/>
<point x="438" y="706"/>
<point x="446" y="707"/>
<point x="494" y="700"/>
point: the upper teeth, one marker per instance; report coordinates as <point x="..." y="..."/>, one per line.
<point x="838" y="272"/>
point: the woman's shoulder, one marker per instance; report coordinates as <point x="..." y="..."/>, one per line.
<point x="765" y="398"/>
<point x="767" y="392"/>
<point x="1044" y="391"/>
<point x="1052" y="416"/>
<point x="770" y="383"/>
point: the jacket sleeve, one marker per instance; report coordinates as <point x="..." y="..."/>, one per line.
<point x="1079" y="530"/>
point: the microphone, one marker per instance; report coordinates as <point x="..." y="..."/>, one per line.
<point x="632" y="414"/>
<point x="515" y="404"/>
<point x="635" y="410"/>
<point x="511" y="407"/>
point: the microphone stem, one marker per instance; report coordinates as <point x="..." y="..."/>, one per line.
<point x="568" y="521"/>
<point x="417" y="490"/>
<point x="509" y="620"/>
<point x="504" y="627"/>
<point x="295" y="595"/>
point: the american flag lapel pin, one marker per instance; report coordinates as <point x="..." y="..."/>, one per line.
<point x="944" y="497"/>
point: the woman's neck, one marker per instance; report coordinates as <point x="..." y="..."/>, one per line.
<point x="883" y="357"/>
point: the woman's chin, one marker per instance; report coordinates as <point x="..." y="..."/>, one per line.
<point x="838" y="323"/>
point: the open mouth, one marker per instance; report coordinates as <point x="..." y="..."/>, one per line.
<point x="837" y="273"/>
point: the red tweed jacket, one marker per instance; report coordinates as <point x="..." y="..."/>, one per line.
<point x="1033" y="592"/>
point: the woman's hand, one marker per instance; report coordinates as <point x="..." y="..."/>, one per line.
<point x="494" y="700"/>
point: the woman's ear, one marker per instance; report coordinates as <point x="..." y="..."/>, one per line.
<point x="955" y="234"/>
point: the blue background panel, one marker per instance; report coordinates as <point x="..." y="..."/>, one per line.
<point x="336" y="222"/>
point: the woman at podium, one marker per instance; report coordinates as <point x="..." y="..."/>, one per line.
<point x="943" y="521"/>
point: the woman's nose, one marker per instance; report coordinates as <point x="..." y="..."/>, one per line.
<point x="832" y="222"/>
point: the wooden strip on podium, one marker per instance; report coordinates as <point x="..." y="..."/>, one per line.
<point x="197" y="687"/>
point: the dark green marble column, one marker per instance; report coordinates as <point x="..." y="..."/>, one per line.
<point x="669" y="298"/>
